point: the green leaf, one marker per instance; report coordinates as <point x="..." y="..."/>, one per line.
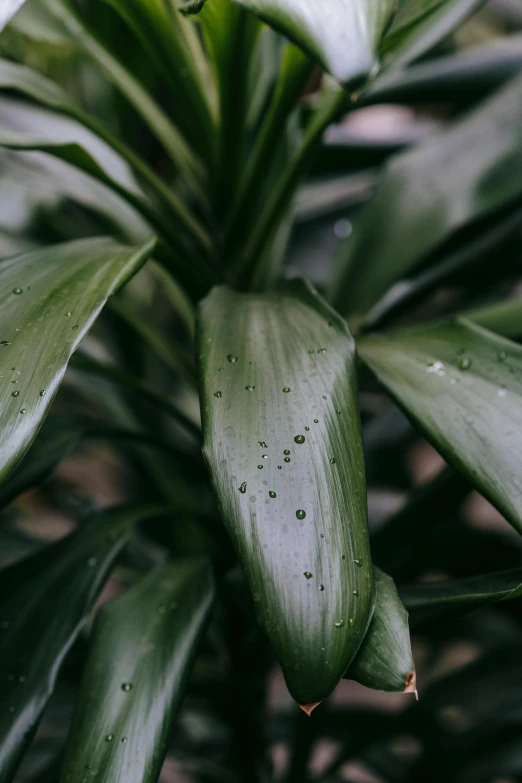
<point x="343" y="35"/>
<point x="384" y="660"/>
<point x="470" y="73"/>
<point x="7" y="10"/>
<point x="282" y="442"/>
<point x="503" y="317"/>
<point x="160" y="125"/>
<point x="175" y="48"/>
<point x="50" y="299"/>
<point x="460" y="385"/>
<point x="476" y="160"/>
<point x="64" y="143"/>
<point x="137" y="672"/>
<point x="437" y="601"/>
<point x="44" y="602"/>
<point x="54" y="442"/>
<point x="420" y="24"/>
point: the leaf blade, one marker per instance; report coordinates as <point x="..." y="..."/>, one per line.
<point x="136" y="674"/>
<point x="458" y="383"/>
<point x="247" y="414"/>
<point x="39" y="289"/>
<point x="384" y="660"/>
<point x="35" y="635"/>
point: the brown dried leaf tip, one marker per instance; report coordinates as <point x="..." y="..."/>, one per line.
<point x="411" y="684"/>
<point x="309" y="708"/>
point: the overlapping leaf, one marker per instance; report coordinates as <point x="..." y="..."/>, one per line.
<point x="44" y="602"/>
<point x="343" y="35"/>
<point x="445" y="600"/>
<point x="384" y="660"/>
<point x="461" y="386"/>
<point x="8" y="9"/>
<point x="136" y="675"/>
<point x="49" y="300"/>
<point x="478" y="166"/>
<point x="282" y="442"/>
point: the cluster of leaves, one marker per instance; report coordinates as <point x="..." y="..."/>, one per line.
<point x="195" y="143"/>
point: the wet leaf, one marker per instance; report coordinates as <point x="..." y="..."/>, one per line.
<point x="283" y="445"/>
<point x="137" y="671"/>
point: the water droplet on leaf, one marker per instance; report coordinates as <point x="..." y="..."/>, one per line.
<point x="299" y="438"/>
<point x="231" y="358"/>
<point x="272" y="494"/>
<point x="286" y="389"/>
<point x="17" y="291"/>
<point x="218" y="394"/>
<point x="465" y="363"/>
<point x="243" y="488"/>
<point x="15" y="394"/>
<point x="308" y="574"/>
<point x="126" y="686"/>
<point x="300" y="514"/>
<point x="339" y="624"/>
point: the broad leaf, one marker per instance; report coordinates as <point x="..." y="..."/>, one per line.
<point x="467" y="74"/>
<point x="137" y="673"/>
<point x="50" y="299"/>
<point x="8" y="9"/>
<point x="384" y="660"/>
<point x="459" y="176"/>
<point x="420" y="24"/>
<point x="343" y="35"/>
<point x="460" y="385"/>
<point x="44" y="602"/>
<point x="436" y="601"/>
<point x="282" y="442"/>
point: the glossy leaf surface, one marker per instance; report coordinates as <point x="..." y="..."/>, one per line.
<point x="50" y="299"/>
<point x="384" y="660"/>
<point x="343" y="35"/>
<point x="283" y="445"/>
<point x="445" y="600"/>
<point x="136" y="675"/>
<point x="44" y="602"/>
<point x="8" y="9"/>
<point x="478" y="165"/>
<point x="460" y="384"/>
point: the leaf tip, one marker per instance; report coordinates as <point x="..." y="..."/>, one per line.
<point x="411" y="685"/>
<point x="309" y="708"/>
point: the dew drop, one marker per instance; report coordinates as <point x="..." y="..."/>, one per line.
<point x="15" y="394"/>
<point x="17" y="291"/>
<point x="75" y="327"/>
<point x="339" y="410"/>
<point x="286" y="389"/>
<point x="465" y="363"/>
<point x="322" y="535"/>
<point x="126" y="687"/>
<point x="437" y="368"/>
<point x="218" y="394"/>
<point x="260" y="467"/>
<point x="231" y="358"/>
<point x="287" y="459"/>
<point x="307" y="429"/>
<point x="358" y="562"/>
<point x="109" y="738"/>
<point x="321" y="350"/>
<point x="299" y="439"/>
<point x="324" y="396"/>
<point x="5" y="342"/>
<point x="68" y="315"/>
<point x="332" y="461"/>
<point x="265" y="456"/>
<point x="43" y="393"/>
<point x="321" y="588"/>
<point x="243" y="487"/>
<point x="316" y="421"/>
<point x="124" y="740"/>
<point x="262" y="444"/>
<point x="356" y="593"/>
<point x="300" y="514"/>
<point x="351" y="621"/>
<point x="279" y="467"/>
<point x="343" y="557"/>
<point x="502" y="356"/>
<point x="339" y="624"/>
<point x="308" y="574"/>
<point x="250" y="388"/>
<point x="23" y="411"/>
<point x="272" y="494"/>
<point x="286" y="451"/>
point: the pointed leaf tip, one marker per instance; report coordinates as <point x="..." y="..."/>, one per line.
<point x="309" y="708"/>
